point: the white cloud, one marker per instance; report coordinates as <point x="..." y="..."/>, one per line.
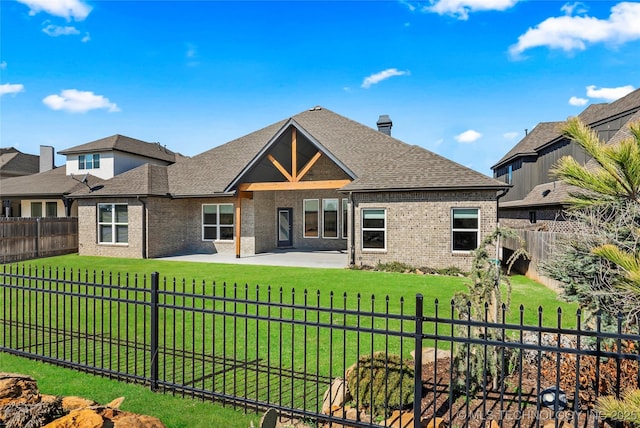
<point x="68" y="9"/>
<point x="56" y="30"/>
<point x="74" y="101"/>
<point x="3" y="65"/>
<point x="511" y="135"/>
<point x="575" y="101"/>
<point x="380" y="76"/>
<point x="86" y="38"/>
<point x="461" y="8"/>
<point x="468" y="136"/>
<point x="609" y="94"/>
<point x="575" y="32"/>
<point x="11" y="88"/>
<point x="574" y="8"/>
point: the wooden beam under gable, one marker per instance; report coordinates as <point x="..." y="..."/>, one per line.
<point x="299" y="185"/>
<point x="308" y="166"/>
<point x="280" y="168"/>
<point x="294" y="154"/>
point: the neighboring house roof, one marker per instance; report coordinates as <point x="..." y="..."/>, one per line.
<point x="592" y="115"/>
<point x="554" y="193"/>
<point x="124" y="144"/>
<point x="145" y="180"/>
<point x="14" y="163"/>
<point x="376" y="161"/>
<point x="52" y="183"/>
<point x="558" y="192"/>
<point x="540" y="135"/>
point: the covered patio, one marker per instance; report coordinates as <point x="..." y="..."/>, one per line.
<point x="335" y="259"/>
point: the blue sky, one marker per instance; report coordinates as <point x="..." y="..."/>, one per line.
<point x="463" y="78"/>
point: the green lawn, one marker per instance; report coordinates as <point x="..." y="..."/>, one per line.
<point x="249" y="351"/>
<point x="174" y="412"/>
<point x="526" y="292"/>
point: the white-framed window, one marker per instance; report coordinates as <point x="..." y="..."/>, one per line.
<point x="374" y="229"/>
<point x="330" y="218"/>
<point x="217" y="222"/>
<point x="311" y="218"/>
<point x="89" y="161"/>
<point x="345" y="218"/>
<point x="465" y="229"/>
<point x="113" y="224"/>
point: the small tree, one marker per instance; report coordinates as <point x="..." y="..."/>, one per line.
<point x="487" y="298"/>
<point x="601" y="268"/>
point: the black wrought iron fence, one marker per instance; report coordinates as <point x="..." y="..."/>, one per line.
<point x="263" y="347"/>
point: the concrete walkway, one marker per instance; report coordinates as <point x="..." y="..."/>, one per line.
<point x="316" y="259"/>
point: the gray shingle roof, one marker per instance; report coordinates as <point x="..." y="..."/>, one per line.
<point x="145" y="180"/>
<point x="124" y="144"/>
<point x="543" y="133"/>
<point x="378" y="161"/>
<point x="52" y="183"/>
<point x="553" y="193"/>
<point x="592" y="115"/>
<point x="15" y="163"/>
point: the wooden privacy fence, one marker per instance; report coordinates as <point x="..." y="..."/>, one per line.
<point x="539" y="245"/>
<point x="28" y="238"/>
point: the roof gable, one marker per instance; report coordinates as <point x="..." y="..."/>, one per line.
<point x="280" y="148"/>
<point x="126" y="145"/>
<point x="348" y="150"/>
<point x="145" y="180"/>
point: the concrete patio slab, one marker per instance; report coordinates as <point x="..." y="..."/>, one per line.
<point x="296" y="258"/>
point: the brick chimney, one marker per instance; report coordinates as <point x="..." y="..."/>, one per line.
<point x="384" y="124"/>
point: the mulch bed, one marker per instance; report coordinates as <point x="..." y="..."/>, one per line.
<point x="515" y="406"/>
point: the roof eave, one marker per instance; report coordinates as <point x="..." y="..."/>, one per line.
<point x="424" y="189"/>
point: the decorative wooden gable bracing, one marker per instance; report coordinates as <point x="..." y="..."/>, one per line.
<point x="291" y="160"/>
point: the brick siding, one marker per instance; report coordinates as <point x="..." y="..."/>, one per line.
<point x="419" y="226"/>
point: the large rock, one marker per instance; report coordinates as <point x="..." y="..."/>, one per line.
<point x="83" y="418"/>
<point x="429" y="355"/>
<point x="17" y="388"/>
<point x="335" y="396"/>
<point x="400" y="419"/>
<point x="105" y="417"/>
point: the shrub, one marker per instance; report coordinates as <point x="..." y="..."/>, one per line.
<point x="394" y="267"/>
<point x="383" y="378"/>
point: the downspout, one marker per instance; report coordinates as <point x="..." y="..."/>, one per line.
<point x="352" y="253"/>
<point x="144" y="227"/>
<point x="504" y="192"/>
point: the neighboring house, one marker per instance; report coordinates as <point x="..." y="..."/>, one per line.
<point x="108" y="157"/>
<point x="315" y="181"/>
<point x="14" y="163"/>
<point x="537" y="201"/>
<point x="46" y="194"/>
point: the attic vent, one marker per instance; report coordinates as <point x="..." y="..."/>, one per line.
<point x="316" y="108"/>
<point x="545" y="193"/>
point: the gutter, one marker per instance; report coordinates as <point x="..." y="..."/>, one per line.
<point x="500" y="195"/>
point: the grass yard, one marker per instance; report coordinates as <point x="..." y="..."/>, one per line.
<point x="525" y="292"/>
<point x="320" y="348"/>
<point x="174" y="412"/>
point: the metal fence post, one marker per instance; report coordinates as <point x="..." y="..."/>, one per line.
<point x="417" y="371"/>
<point x="154" y="330"/>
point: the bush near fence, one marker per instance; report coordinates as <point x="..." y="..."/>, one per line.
<point x="261" y="347"/>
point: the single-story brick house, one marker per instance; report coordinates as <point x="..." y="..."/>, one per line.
<point x="316" y="181"/>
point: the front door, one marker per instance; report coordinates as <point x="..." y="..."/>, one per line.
<point x="285" y="227"/>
